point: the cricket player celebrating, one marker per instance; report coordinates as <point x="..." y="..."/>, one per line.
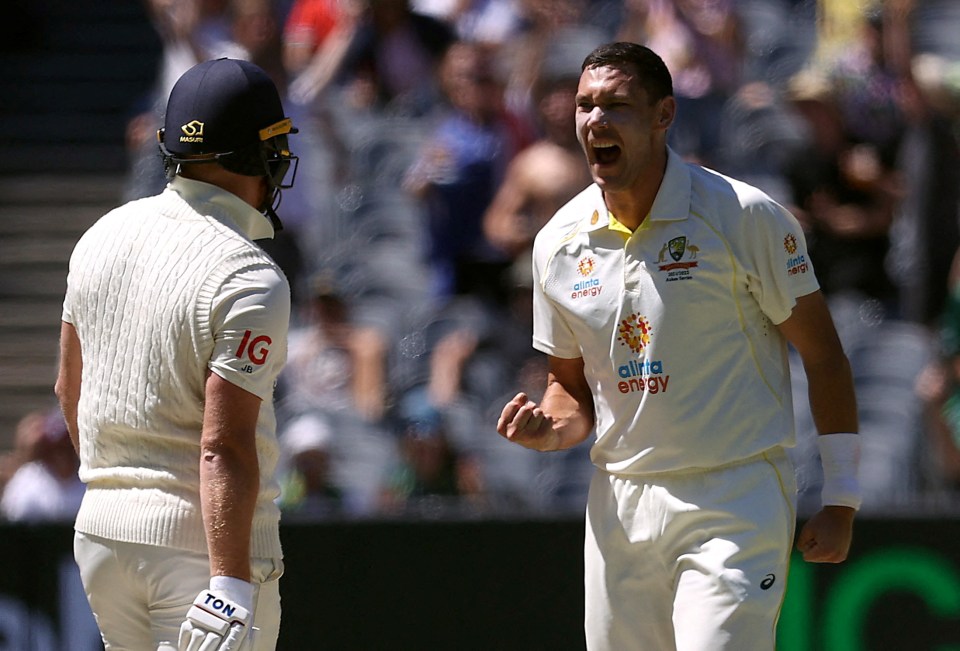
<point x="174" y="331"/>
<point x="665" y="296"/>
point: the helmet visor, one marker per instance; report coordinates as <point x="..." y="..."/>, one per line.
<point x="279" y="158"/>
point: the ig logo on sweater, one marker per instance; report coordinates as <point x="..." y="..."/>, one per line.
<point x="256" y="349"/>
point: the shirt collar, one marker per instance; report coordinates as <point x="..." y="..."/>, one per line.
<point x="673" y="198"/>
<point x="248" y="219"/>
<point x="672" y="202"/>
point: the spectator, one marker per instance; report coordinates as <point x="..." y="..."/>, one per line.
<point x="554" y="32"/>
<point x="845" y="193"/>
<point x="255" y="36"/>
<point x="191" y="31"/>
<point x="458" y="171"/>
<point x="701" y="41"/>
<point x="926" y="234"/>
<point x="874" y="94"/>
<point x="307" y="485"/>
<point x="488" y="22"/>
<point x="46" y="487"/>
<point x="432" y="473"/>
<point x="308" y="25"/>
<point x="474" y="347"/>
<point x="26" y="437"/>
<point x="315" y="39"/>
<point x="938" y="387"/>
<point x="334" y="365"/>
<point x="544" y="176"/>
<point x="29" y="429"/>
<point x="391" y="61"/>
<point x="759" y="132"/>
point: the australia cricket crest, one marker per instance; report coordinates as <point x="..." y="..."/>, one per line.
<point x="683" y="254"/>
<point x="676" y="247"/>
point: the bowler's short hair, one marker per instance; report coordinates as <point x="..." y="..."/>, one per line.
<point x="636" y="59"/>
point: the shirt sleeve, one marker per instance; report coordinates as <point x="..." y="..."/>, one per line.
<point x="250" y="318"/>
<point x="551" y="333"/>
<point x="66" y="312"/>
<point x="781" y="268"/>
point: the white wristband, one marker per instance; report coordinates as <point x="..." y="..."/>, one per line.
<point x="237" y="590"/>
<point x="840" y="456"/>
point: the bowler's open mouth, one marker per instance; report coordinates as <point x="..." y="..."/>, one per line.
<point x="605" y="153"/>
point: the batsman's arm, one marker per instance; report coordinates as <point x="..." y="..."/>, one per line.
<point x="229" y="475"/>
<point x="67" y="387"/>
<point x="220" y="617"/>
<point x="564" y="417"/>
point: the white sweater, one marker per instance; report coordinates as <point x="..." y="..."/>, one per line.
<point x="160" y="291"/>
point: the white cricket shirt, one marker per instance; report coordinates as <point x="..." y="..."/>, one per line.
<point x="675" y="322"/>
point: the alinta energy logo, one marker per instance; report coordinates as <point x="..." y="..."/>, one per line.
<point x="586" y="265"/>
<point x="634" y="332"/>
<point x="644" y="375"/>
<point x="796" y="262"/>
<point x="590" y="286"/>
<point x="684" y="255"/>
<point x="790" y="243"/>
<point x="192" y="131"/>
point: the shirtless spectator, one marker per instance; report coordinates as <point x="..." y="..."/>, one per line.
<point x="545" y="175"/>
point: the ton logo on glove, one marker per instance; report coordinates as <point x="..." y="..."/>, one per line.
<point x="220" y="605"/>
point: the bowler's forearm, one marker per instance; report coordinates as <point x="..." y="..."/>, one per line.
<point x="833" y="402"/>
<point x="570" y="413"/>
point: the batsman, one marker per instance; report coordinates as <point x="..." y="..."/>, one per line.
<point x="679" y="366"/>
<point x="173" y="332"/>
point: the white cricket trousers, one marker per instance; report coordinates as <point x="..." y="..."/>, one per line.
<point x="692" y="561"/>
<point x="140" y="594"/>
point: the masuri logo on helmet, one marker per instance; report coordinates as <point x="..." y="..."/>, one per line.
<point x="192" y="131"/>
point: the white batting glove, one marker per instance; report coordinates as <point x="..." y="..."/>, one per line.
<point x="220" y="618"/>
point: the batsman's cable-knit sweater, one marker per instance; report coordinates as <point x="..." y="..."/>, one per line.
<point x="160" y="290"/>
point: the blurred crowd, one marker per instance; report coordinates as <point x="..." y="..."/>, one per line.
<point x="437" y="136"/>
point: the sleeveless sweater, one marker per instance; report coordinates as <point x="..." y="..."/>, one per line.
<point x="143" y="291"/>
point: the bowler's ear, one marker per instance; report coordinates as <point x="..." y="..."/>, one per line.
<point x="666" y="112"/>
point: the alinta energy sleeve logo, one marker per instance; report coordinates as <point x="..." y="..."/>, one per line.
<point x="645" y="375"/>
<point x="796" y="263"/>
<point x="589" y="286"/>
